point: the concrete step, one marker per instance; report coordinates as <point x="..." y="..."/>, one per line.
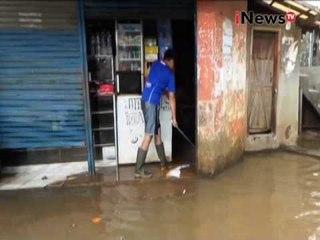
<point x="310" y="139"/>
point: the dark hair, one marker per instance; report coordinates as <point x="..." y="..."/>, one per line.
<point x="169" y="55"/>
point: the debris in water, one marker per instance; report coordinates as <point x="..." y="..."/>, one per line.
<point x="44" y="178"/>
<point x="316" y="174"/>
<point x="73" y="225"/>
<point x="176" y="172"/>
<point x="70" y="178"/>
<point x="96" y="220"/>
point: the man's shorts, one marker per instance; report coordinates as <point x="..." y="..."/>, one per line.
<point x="151" y="114"/>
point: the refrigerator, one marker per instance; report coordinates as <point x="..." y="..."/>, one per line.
<point x="129" y="59"/>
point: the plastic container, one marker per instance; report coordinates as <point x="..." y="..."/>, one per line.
<point x="106" y="89"/>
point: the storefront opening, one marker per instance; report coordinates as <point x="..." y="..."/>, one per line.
<point x="120" y="52"/>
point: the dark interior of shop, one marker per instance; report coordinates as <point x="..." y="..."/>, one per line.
<point x="310" y="117"/>
<point x="310" y="121"/>
<point x="183" y="42"/>
<point x="183" y="36"/>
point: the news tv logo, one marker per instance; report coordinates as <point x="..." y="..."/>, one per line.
<point x="263" y="19"/>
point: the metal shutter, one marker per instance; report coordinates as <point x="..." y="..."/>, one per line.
<point x="41" y="75"/>
<point x="139" y="9"/>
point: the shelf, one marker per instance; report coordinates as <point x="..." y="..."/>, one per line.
<point x="129" y="45"/>
<point x="100" y="56"/>
<point x="102" y="112"/>
<point x="129" y="31"/>
<point x="104" y="145"/>
<point x="98" y="96"/>
<point x="103" y="95"/>
<point x="103" y="129"/>
<point x="103" y="81"/>
<point x="130" y="59"/>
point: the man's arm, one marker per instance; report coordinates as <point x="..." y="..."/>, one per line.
<point x="172" y="99"/>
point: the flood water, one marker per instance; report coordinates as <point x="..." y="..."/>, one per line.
<point x="268" y="196"/>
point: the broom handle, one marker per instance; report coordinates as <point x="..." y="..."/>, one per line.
<point x="184" y="135"/>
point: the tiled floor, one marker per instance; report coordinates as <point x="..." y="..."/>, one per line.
<point x="42" y="175"/>
<point x="76" y="174"/>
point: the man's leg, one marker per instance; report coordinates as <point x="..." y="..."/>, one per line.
<point x="157" y="138"/>
<point x="149" y="114"/>
<point x="146" y="142"/>
<point x="141" y="158"/>
<point x="160" y="150"/>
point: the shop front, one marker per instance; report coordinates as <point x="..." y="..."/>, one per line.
<point x="122" y="41"/>
<point x="72" y="75"/>
<point x="42" y="112"/>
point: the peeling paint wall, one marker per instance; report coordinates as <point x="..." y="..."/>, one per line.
<point x="287" y="97"/>
<point x="222" y="51"/>
<point x="288" y="87"/>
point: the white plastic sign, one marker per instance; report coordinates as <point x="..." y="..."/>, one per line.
<point x="131" y="129"/>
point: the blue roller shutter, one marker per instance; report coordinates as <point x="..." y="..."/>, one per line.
<point x="41" y="75"/>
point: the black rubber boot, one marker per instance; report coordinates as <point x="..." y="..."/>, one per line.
<point x="162" y="156"/>
<point x="139" y="171"/>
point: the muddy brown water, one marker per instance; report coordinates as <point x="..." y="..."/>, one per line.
<point x="268" y="196"/>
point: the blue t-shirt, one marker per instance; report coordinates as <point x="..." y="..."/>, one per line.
<point x="160" y="79"/>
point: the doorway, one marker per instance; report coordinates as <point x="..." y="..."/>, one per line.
<point x="263" y="82"/>
<point x="184" y="47"/>
<point x="117" y="120"/>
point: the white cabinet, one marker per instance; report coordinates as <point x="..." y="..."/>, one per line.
<point x="131" y="129"/>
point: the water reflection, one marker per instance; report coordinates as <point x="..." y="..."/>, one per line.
<point x="268" y="196"/>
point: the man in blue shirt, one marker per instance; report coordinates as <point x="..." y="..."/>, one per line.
<point x="161" y="79"/>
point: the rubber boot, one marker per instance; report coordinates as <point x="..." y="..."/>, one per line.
<point x="162" y="156"/>
<point x="139" y="171"/>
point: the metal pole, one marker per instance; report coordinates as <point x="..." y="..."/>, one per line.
<point x="300" y="108"/>
<point x="115" y="117"/>
<point x="86" y="94"/>
<point x="115" y="105"/>
<point x="185" y="136"/>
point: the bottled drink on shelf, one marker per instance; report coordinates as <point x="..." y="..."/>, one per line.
<point x="92" y="45"/>
<point x="98" y="44"/>
<point x="103" y="43"/>
<point x="109" y="44"/>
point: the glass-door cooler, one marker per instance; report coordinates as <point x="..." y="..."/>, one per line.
<point x="129" y="60"/>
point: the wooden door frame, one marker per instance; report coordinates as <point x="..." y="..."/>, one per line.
<point x="277" y="66"/>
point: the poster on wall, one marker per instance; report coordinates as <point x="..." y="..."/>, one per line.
<point x="151" y="52"/>
<point x="131" y="129"/>
<point x="150" y="49"/>
<point x="290" y="48"/>
<point x="164" y="36"/>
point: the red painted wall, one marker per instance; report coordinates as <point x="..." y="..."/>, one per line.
<point x="222" y="51"/>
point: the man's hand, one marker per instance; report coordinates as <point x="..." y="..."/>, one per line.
<point x="174" y="123"/>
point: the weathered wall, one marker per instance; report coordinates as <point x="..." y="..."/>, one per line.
<point x="221" y="84"/>
<point x="287" y="99"/>
<point x="288" y="87"/>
